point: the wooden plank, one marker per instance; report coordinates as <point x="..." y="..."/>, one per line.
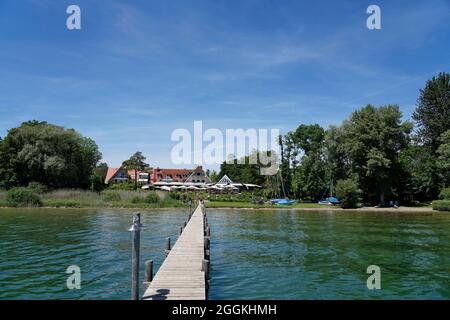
<point x="180" y="276"/>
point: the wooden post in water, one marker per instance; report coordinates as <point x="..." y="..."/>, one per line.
<point x="205" y="268"/>
<point x="207" y="248"/>
<point x="148" y="272"/>
<point x="168" y="247"/>
<point x="136" y="231"/>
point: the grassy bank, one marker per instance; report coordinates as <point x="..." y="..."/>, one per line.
<point x="106" y="199"/>
<point x="149" y="200"/>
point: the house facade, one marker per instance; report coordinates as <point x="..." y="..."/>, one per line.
<point x="119" y="175"/>
<point x="116" y="175"/>
<point x="169" y="175"/>
<point x="198" y="175"/>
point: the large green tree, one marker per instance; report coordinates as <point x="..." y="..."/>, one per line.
<point x="135" y="162"/>
<point x="245" y="170"/>
<point x="432" y="116"/>
<point x="373" y="139"/>
<point x="337" y="162"/>
<point x="49" y="154"/>
<point x="443" y="159"/>
<point x="432" y="113"/>
<point x="309" y="176"/>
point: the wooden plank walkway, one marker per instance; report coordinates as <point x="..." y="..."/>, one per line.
<point x="181" y="276"/>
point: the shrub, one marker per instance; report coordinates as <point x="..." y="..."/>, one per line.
<point x="111" y="196"/>
<point x="170" y="203"/>
<point x="121" y="186"/>
<point x="137" y="199"/>
<point x="445" y="194"/>
<point x="23" y="197"/>
<point x="174" y="195"/>
<point x="62" y="203"/>
<point x="348" y="193"/>
<point x="152" y="197"/>
<point x="97" y="183"/>
<point x="37" y="187"/>
<point x="441" y="205"/>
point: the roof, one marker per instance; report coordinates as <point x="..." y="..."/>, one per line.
<point x="198" y="169"/>
<point x="110" y="173"/>
<point x="225" y="180"/>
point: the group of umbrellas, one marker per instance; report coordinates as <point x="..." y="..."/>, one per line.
<point x="200" y="187"/>
<point x="197" y="188"/>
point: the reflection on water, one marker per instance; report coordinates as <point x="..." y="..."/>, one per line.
<point x="255" y="254"/>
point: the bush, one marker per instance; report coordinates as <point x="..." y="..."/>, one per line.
<point x="97" y="183"/>
<point x="170" y="203"/>
<point x="121" y="186"/>
<point x="137" y="199"/>
<point x="111" y="196"/>
<point x="23" y="197"/>
<point x="441" y="205"/>
<point x="62" y="203"/>
<point x="37" y="187"/>
<point x="445" y="194"/>
<point x="152" y="197"/>
<point x="174" y="195"/>
<point x="240" y="197"/>
<point x="348" y="193"/>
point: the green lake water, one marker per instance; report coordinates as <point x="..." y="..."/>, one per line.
<point x="255" y="254"/>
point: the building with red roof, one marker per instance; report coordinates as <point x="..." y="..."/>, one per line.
<point x="197" y="175"/>
<point x="118" y="175"/>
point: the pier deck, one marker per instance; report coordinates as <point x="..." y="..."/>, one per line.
<point x="181" y="276"/>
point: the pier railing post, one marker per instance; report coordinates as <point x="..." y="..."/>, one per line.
<point x="207" y="248"/>
<point x="136" y="231"/>
<point x="168" y="247"/>
<point x="205" y="268"/>
<point x="148" y="272"/>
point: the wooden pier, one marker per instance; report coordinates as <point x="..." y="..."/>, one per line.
<point x="185" y="271"/>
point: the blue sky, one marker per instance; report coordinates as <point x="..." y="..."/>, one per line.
<point x="140" y="69"/>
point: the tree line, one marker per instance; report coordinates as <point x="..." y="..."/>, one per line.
<point x="373" y="151"/>
<point x="373" y="155"/>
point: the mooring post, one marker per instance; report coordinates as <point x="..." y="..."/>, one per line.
<point x="207" y="247"/>
<point x="167" y="246"/>
<point x="181" y="231"/>
<point x="148" y="272"/>
<point x="205" y="269"/>
<point x="136" y="231"/>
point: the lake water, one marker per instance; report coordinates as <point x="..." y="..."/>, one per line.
<point x="279" y="254"/>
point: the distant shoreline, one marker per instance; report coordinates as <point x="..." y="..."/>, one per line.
<point x="274" y="208"/>
<point x="363" y="209"/>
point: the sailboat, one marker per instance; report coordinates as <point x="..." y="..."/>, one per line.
<point x="280" y="201"/>
<point x="331" y="201"/>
